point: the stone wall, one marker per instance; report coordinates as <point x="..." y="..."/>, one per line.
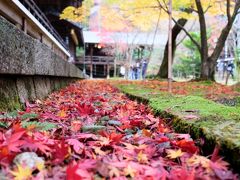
<point x="16" y="90"/>
<point x="29" y="69"/>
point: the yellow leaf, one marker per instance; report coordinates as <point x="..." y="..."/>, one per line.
<point x="173" y="154"/>
<point x="104" y="141"/>
<point x="196" y="160"/>
<point x="22" y="173"/>
<point x="40" y="166"/>
<point x="142" y="158"/>
<point x="62" y="114"/>
<point x="129" y="171"/>
<point x="114" y="172"/>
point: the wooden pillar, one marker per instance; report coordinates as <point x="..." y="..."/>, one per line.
<point x="95" y="69"/>
<point x="41" y="37"/>
<point x="115" y="67"/>
<point x="104" y="69"/>
<point x="108" y="69"/>
<point x="52" y="46"/>
<point x="84" y="59"/>
<point x="91" y="65"/>
<point x="24" y="25"/>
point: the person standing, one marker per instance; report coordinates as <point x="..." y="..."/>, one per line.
<point x="122" y="71"/>
<point x="138" y="70"/>
<point x="230" y="68"/>
<point x="144" y="68"/>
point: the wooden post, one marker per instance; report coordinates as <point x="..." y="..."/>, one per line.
<point x="41" y="37"/>
<point x="91" y="66"/>
<point x="170" y="48"/>
<point x="104" y="69"/>
<point x="95" y="69"/>
<point x="84" y="59"/>
<point x="24" y="25"/>
<point x="115" y="67"/>
<point x="108" y="70"/>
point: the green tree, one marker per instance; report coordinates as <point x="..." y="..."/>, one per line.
<point x="190" y="62"/>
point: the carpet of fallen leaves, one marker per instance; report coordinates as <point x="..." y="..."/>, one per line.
<point x="213" y="91"/>
<point x="98" y="133"/>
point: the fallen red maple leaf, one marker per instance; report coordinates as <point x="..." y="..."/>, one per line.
<point x="187" y="146"/>
<point x="215" y="156"/>
<point x="85" y="109"/>
<point x="71" y="172"/>
<point x="13" y="142"/>
<point x="60" y="151"/>
<point x="76" y="126"/>
<point x="113" y="137"/>
<point x="34" y="145"/>
<point x="182" y="174"/>
<point x="77" y="145"/>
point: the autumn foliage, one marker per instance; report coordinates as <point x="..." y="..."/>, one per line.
<point x="99" y="133"/>
<point x="206" y="89"/>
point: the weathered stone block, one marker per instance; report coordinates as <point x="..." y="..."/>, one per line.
<point x="26" y="88"/>
<point x="9" y="99"/>
<point x="40" y="87"/>
<point x="42" y="59"/>
<point x="22" y="90"/>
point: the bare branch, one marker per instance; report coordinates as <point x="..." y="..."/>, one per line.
<point x="185" y="34"/>
<point x="207" y="9"/>
<point x="188" y="34"/>
<point x="166" y="6"/>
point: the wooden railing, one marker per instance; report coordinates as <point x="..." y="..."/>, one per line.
<point x="96" y="60"/>
<point x="40" y="16"/>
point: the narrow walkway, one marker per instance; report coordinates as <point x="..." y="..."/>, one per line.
<point x="90" y="130"/>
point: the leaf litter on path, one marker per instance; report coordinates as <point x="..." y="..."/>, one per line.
<point x="98" y="133"/>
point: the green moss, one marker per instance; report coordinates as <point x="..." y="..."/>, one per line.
<point x="215" y="123"/>
<point x="9" y="103"/>
<point x="203" y="107"/>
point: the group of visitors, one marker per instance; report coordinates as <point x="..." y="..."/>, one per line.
<point x="138" y="71"/>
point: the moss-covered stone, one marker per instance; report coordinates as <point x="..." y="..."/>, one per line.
<point x="9" y="103"/>
<point x="9" y="99"/>
<point x="16" y="90"/>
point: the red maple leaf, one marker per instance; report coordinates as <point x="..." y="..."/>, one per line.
<point x="187" y="146"/>
<point x="77" y="145"/>
<point x="76" y="126"/>
<point x="136" y="122"/>
<point x="85" y="109"/>
<point x="71" y="171"/>
<point x="163" y="139"/>
<point x="113" y="137"/>
<point x="182" y="174"/>
<point x="34" y="145"/>
<point x="215" y="156"/>
<point x="81" y="170"/>
<point x="13" y="142"/>
<point x="60" y="151"/>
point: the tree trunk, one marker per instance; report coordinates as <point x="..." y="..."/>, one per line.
<point x="204" y="44"/>
<point x="163" y="71"/>
<point x="209" y="62"/>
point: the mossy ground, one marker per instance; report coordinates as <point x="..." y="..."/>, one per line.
<point x="202" y="118"/>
